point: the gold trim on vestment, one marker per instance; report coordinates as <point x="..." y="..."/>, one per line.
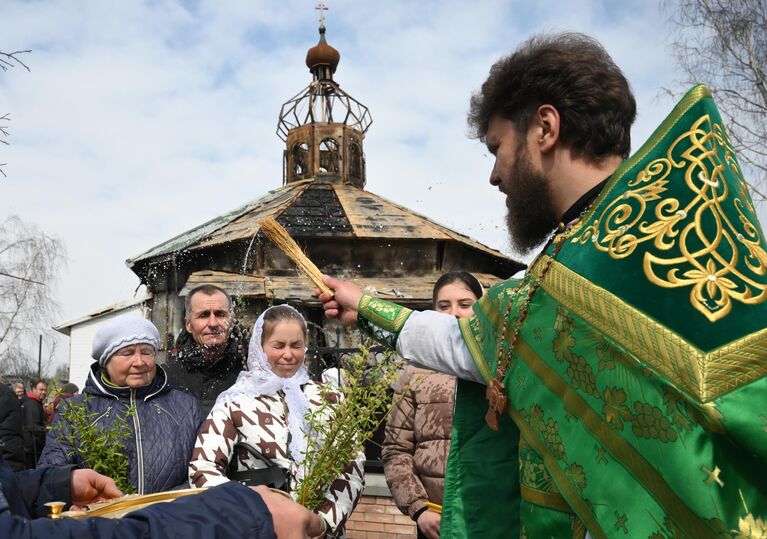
<point x="702" y="376"/>
<point x="571" y="496"/>
<point x="474" y="350"/>
<point x="731" y="264"/>
<point x="644" y="473"/>
<point x="693" y="96"/>
<point x="551" y="500"/>
<point x="372" y="307"/>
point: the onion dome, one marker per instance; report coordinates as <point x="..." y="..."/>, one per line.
<point x="322" y="59"/>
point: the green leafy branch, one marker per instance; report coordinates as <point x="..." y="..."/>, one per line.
<point x="339" y="430"/>
<point x="101" y="448"/>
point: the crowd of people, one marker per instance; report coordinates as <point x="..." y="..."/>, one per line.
<point x="627" y="408"/>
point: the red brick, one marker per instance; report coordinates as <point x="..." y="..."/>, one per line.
<point x="374" y="517"/>
<point x="370" y="526"/>
<point x="402" y="519"/>
<point x="392" y="510"/>
<point x="396" y="528"/>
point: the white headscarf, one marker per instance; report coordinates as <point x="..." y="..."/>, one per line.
<point x="259" y="379"/>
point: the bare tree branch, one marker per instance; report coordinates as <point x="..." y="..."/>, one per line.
<point x="11" y="59"/>
<point x="30" y="258"/>
<point x="723" y="44"/>
<point x="7" y="61"/>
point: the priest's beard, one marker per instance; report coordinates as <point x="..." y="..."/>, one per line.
<point x="531" y="217"/>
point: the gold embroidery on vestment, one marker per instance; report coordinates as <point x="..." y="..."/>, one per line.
<point x="695" y="243"/>
<point x="712" y="476"/>
<point x="646" y="474"/>
<point x="703" y="376"/>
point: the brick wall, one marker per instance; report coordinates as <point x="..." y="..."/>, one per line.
<point x="376" y="517"/>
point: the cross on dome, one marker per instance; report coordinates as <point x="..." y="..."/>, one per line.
<point x="322" y="8"/>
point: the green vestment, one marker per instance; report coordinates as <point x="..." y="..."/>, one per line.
<point x="637" y="380"/>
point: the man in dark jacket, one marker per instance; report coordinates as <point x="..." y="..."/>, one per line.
<point x="35" y="422"/>
<point x="211" y="349"/>
<point x="11" y="438"/>
<point x="227" y="511"/>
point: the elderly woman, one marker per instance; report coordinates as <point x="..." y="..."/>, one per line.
<point x="266" y="408"/>
<point x="126" y="375"/>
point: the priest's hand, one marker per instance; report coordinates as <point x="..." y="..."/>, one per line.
<point x="89" y="487"/>
<point x="342" y="304"/>
<point x="290" y="519"/>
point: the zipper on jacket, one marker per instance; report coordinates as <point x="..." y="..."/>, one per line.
<point x="139" y="445"/>
<point x="160" y="410"/>
<point x="105" y="414"/>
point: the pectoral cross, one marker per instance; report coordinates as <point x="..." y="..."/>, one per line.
<point x="322" y="8"/>
<point x="497" y="402"/>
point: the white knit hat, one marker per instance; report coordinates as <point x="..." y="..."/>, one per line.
<point x="125" y="330"/>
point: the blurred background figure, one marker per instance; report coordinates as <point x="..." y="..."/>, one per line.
<point x="11" y="438"/>
<point x="417" y="439"/>
<point x="18" y="388"/>
<point x="35" y="422"/>
<point x="68" y="390"/>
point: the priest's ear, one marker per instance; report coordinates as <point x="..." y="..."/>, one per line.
<point x="546" y="123"/>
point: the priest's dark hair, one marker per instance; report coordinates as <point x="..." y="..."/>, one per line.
<point x="571" y="72"/>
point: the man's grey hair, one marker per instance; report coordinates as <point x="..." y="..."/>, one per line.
<point x="208" y="290"/>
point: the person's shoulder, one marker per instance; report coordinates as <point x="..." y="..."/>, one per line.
<point x="6" y="393"/>
<point x="180" y="396"/>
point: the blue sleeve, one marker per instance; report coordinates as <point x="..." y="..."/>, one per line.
<point x="40" y="486"/>
<point x="229" y="511"/>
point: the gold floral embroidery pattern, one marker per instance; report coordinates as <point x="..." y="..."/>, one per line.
<point x="702" y="375"/>
<point x="695" y="242"/>
<point x="647" y="421"/>
<point x="386" y="315"/>
<point x="579" y="371"/>
<point x="750" y="527"/>
<point x="548" y="432"/>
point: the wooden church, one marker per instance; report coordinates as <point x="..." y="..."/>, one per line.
<point x="343" y="228"/>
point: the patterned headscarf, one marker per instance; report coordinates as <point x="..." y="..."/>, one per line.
<point x="259" y="379"/>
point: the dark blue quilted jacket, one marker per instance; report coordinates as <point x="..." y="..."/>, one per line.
<point x="164" y="429"/>
<point x="229" y="511"/>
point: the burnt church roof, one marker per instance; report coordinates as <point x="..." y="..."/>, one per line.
<point x="307" y="209"/>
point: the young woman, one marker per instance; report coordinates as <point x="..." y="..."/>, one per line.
<point x="417" y="438"/>
<point x="266" y="408"/>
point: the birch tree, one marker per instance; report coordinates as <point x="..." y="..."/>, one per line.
<point x="723" y="44"/>
<point x="7" y="61"/>
<point x="29" y="263"/>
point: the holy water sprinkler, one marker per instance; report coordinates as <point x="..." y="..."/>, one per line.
<point x="280" y="237"/>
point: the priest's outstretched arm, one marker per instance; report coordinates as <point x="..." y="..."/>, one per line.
<point x="428" y="339"/>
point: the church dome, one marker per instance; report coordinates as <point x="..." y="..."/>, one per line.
<point x="322" y="54"/>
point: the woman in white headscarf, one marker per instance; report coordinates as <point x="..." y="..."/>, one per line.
<point x="266" y="408"/>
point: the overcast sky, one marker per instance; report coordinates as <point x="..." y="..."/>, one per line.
<point x="141" y="120"/>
